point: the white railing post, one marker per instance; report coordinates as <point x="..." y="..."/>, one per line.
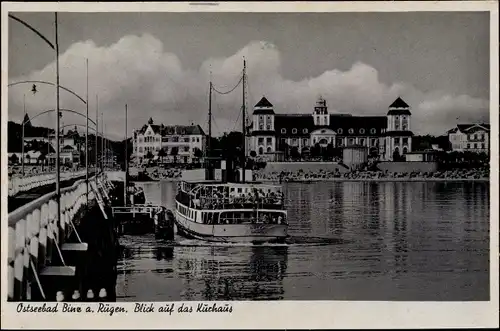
<point x="11" y="259"/>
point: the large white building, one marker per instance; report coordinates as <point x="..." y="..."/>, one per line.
<point x="470" y="138"/>
<point x="178" y="142"/>
<point x="385" y="136"/>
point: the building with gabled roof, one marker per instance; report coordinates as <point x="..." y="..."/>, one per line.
<point x="169" y="143"/>
<point x="470" y="138"/>
<point x="272" y="133"/>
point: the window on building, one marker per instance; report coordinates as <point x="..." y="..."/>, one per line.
<point x="294" y="130"/>
<point x="175" y="139"/>
<point x="198" y="139"/>
<point x="304" y="130"/>
<point x="351" y="131"/>
<point x="261" y="141"/>
<point x="186" y="140"/>
<point x="305" y="142"/>
<point x="374" y="142"/>
<point x="340" y="141"/>
<point x="283" y="131"/>
<point x="405" y="141"/>
<point x="482" y="146"/>
<point x="261" y="119"/>
<point x="351" y="141"/>
<point x="373" y="131"/>
<point x="140" y="139"/>
<point x="339" y="131"/>
<point x="269" y="141"/>
<point x="261" y="126"/>
<point x="268" y="126"/>
<point x="269" y="118"/>
<point x="468" y="145"/>
<point x="362" y="131"/>
<point x="140" y="149"/>
<point x="186" y="148"/>
<point x="397" y="125"/>
<point x="396" y="141"/>
<point x="261" y="151"/>
<point x="362" y="142"/>
<point x="193" y="139"/>
<point x="294" y="141"/>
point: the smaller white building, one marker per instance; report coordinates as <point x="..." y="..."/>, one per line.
<point x="470" y="138"/>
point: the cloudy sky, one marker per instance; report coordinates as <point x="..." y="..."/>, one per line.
<point x="159" y="64"/>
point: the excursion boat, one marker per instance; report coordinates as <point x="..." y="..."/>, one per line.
<point x="231" y="212"/>
<point x="229" y="209"/>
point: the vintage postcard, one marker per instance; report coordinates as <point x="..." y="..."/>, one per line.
<point x="250" y="165"/>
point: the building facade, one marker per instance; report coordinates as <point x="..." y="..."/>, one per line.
<point x="470" y="138"/>
<point x="386" y="137"/>
<point x="168" y="144"/>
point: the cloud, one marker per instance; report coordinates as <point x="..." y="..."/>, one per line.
<point x="138" y="71"/>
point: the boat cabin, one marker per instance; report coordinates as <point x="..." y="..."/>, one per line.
<point x="212" y="195"/>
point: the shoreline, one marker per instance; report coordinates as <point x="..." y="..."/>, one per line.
<point x="315" y="180"/>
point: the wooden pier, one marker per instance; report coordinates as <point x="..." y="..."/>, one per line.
<point x="141" y="218"/>
<point x="54" y="261"/>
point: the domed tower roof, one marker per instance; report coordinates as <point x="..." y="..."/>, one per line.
<point x="320" y="107"/>
<point x="263" y="107"/>
<point x="399" y="107"/>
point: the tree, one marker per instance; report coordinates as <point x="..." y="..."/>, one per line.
<point x="328" y="153"/>
<point x="41" y="159"/>
<point x="149" y="156"/>
<point x="14" y="159"/>
<point x="197" y="153"/>
<point x="294" y="153"/>
<point x="395" y="155"/>
<point x="316" y="150"/>
<point x="174" y="152"/>
<point x="162" y="154"/>
<point x="253" y="154"/>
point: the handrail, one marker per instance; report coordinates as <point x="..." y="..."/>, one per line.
<point x="21" y="212"/>
<point x="22" y="184"/>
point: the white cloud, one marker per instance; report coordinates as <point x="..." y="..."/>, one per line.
<point x="137" y="70"/>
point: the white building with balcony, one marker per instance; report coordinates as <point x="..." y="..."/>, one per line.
<point x="470" y="138"/>
<point x="169" y="144"/>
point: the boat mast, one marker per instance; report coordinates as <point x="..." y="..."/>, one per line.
<point x="209" y="120"/>
<point x="243" y="124"/>
<point x="126" y="161"/>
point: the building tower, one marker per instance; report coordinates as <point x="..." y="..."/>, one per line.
<point x="398" y="134"/>
<point x="263" y="134"/>
<point x="320" y="115"/>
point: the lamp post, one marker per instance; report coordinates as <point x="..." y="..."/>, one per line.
<point x="58" y="170"/>
<point x="87" y="134"/>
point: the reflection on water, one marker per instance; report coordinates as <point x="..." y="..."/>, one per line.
<point x="350" y="241"/>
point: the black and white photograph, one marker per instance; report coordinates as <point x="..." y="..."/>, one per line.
<point x="206" y="157"/>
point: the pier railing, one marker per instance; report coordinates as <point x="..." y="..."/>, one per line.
<point x="34" y="233"/>
<point x="23" y="184"/>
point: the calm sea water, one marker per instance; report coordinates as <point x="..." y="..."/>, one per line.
<point x="350" y="241"/>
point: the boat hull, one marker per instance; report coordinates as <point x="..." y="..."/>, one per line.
<point x="253" y="233"/>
